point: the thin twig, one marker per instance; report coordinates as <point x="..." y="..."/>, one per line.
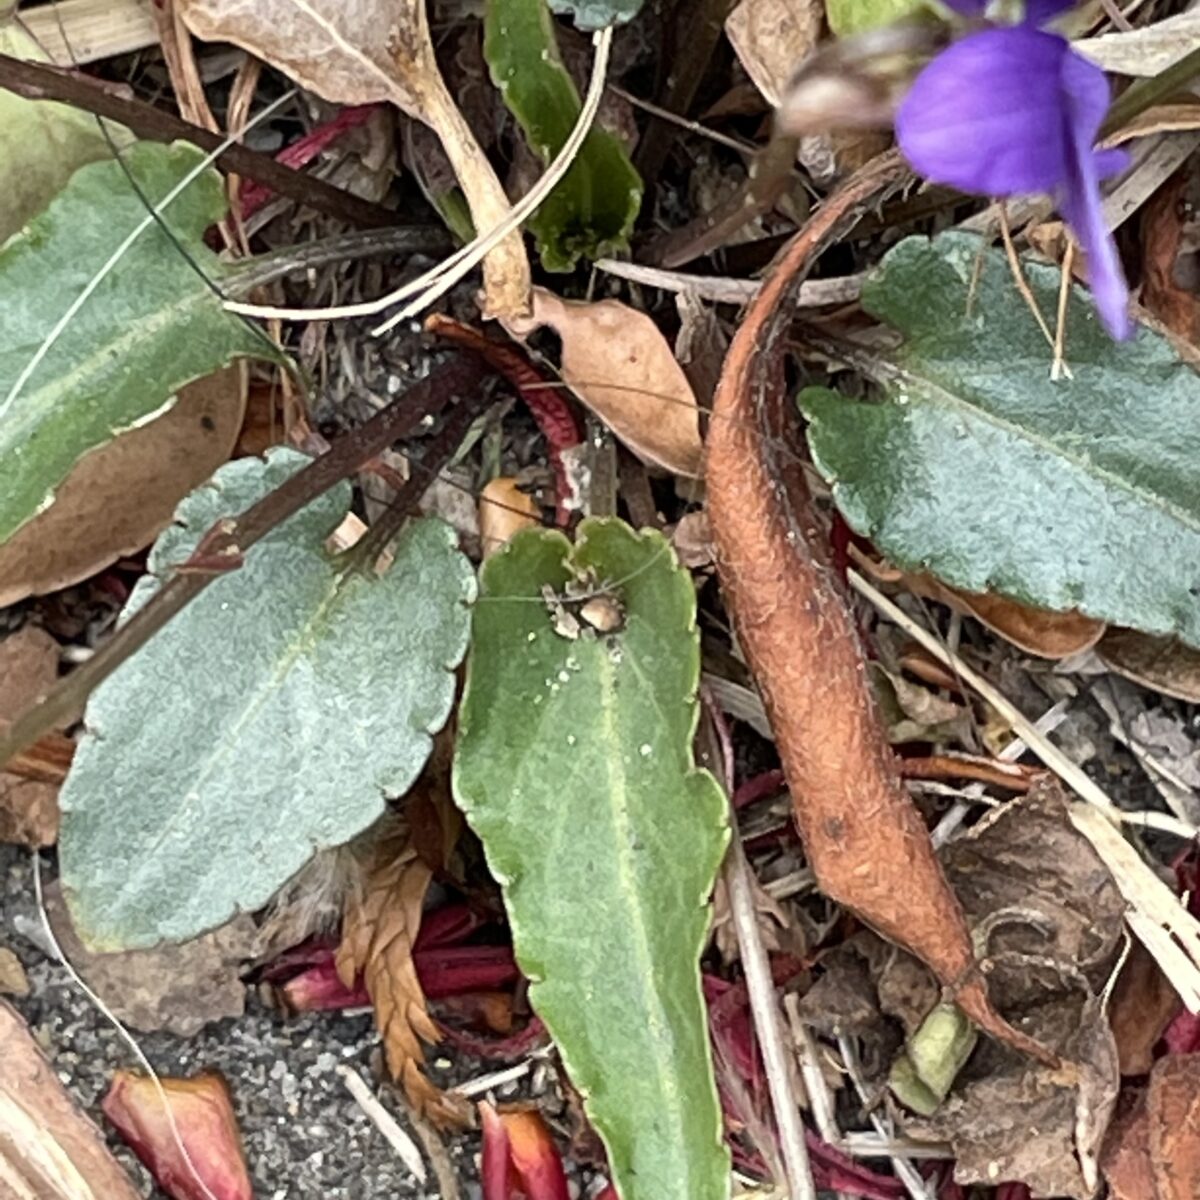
<point x="435" y="1148"/>
<point x="721" y="289"/>
<point x="36" y="81"/>
<point x="764" y="1007"/>
<point x="234" y="536"/>
<point x="405" y="1148"/>
<point x="1014" y="262"/>
<point x="820" y="1098"/>
<point x="1058" y="367"/>
<point x="908" y="1175"/>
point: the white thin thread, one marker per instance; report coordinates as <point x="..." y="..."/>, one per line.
<point x="109" y="1016"/>
<point x="440" y="279"/>
<point x="119" y="253"/>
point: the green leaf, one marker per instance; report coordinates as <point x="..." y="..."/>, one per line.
<point x="598" y="14"/>
<point x="41" y="142"/>
<point x="592" y="210"/>
<point x="270" y="719"/>
<point x="850" y="17"/>
<point x="1081" y="493"/>
<point x="151" y="326"/>
<point x="574" y="766"/>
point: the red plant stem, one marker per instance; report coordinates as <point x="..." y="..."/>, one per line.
<point x="541" y="395"/>
<point x="452" y="970"/>
<point x="515" y="1046"/>
<point x="301" y="152"/>
<point x="758" y="787"/>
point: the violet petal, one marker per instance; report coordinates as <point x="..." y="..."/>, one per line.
<point x="986" y="115"/>
<point x="1086" y="95"/>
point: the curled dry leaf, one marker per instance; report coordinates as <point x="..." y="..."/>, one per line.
<point x="1162" y="663"/>
<point x="618" y="363"/>
<point x="49" y="1149"/>
<point x="199" y="1114"/>
<point x="120" y="496"/>
<point x="519" y="1157"/>
<point x="1142" y="1006"/>
<point x="177" y="987"/>
<point x="1153" y="1152"/>
<point x="504" y="509"/>
<point x="362" y="52"/>
<point x="28" y="667"/>
<point x="1169" y="229"/>
<point x="1034" y="630"/>
<point x="771" y="37"/>
<point x="865" y="840"/>
<point x="379" y="926"/>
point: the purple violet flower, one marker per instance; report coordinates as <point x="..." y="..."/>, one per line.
<point x="1013" y="111"/>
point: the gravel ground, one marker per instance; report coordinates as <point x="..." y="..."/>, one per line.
<point x="304" y="1135"/>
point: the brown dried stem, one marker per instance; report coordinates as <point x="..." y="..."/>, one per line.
<point x="866" y="842"/>
<point x="230" y="538"/>
<point x="35" y="81"/>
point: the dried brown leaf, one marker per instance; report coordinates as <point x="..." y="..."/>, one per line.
<point x="119" y="496"/>
<point x="1173" y="1104"/>
<point x="1034" y="630"/>
<point x="504" y="510"/>
<point x="380" y="924"/>
<point x="28" y="667"/>
<point x="1047" y="915"/>
<point x="1162" y="663"/>
<point x="1125" y="1160"/>
<point x="618" y="363"/>
<point x="49" y="1150"/>
<point x="178" y="988"/>
<point x="866" y="842"/>
<point x="1143" y="1003"/>
<point x="199" y="1114"/>
<point x="1171" y="253"/>
<point x="13" y="980"/>
<point x="363" y="52"/>
<point x="772" y="37"/>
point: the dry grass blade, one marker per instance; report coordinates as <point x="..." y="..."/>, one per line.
<point x="362" y="51"/>
<point x="379" y="925"/>
<point x="1156" y="916"/>
<point x="865" y="840"/>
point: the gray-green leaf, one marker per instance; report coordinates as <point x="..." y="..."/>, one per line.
<point x="597" y="14"/>
<point x="152" y="325"/>
<point x="270" y="719"/>
<point x="574" y="765"/>
<point x="974" y="464"/>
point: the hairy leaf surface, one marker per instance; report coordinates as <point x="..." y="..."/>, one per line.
<point x="150" y="326"/>
<point x="574" y="765"/>
<point x="270" y="719"/>
<point x="1080" y="493"/>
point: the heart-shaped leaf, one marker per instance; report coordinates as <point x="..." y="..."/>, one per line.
<point x="1080" y="493"/>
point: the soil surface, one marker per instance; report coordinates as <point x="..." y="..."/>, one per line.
<point x="304" y="1135"/>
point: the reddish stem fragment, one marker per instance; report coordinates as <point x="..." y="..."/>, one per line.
<point x="865" y="840"/>
<point x="302" y="151"/>
<point x="542" y="397"/>
<point x="519" y="1157"/>
<point x="191" y="1145"/>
